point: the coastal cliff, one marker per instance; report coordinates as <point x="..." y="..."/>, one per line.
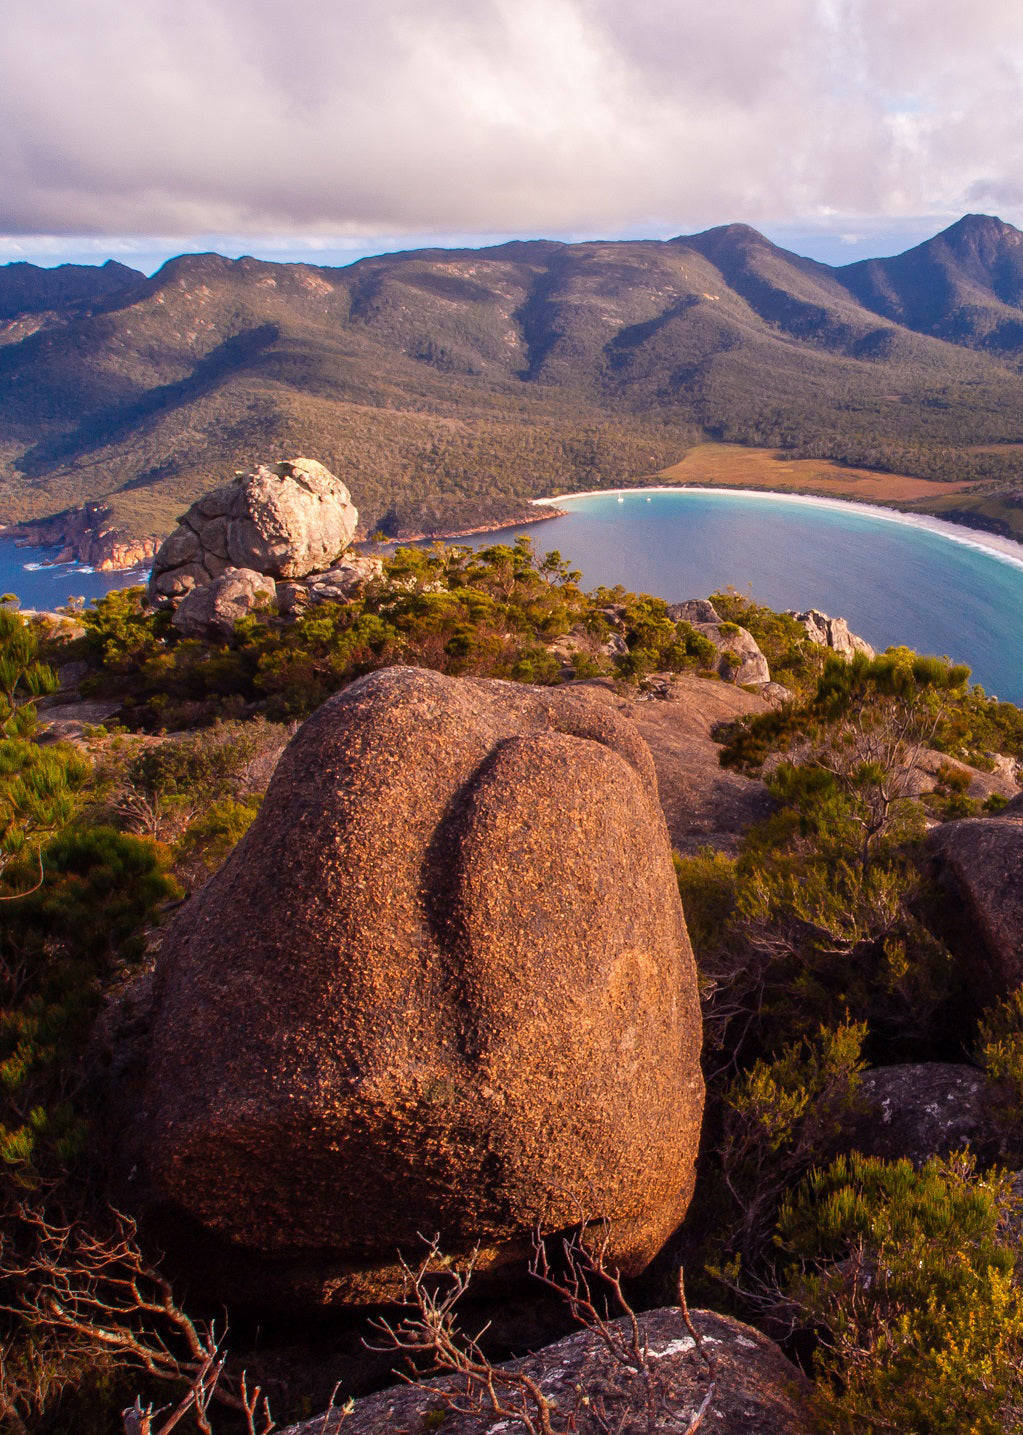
<point x="85" y="535"/>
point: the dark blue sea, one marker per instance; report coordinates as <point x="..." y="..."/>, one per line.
<point x="894" y="581"/>
<point x="37" y="582"/>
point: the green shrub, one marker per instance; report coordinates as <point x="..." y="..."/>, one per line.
<point x="816" y="929"/>
<point x="707" y="885"/>
<point x="910" y="1279"/>
<point x="778" y="1119"/>
<point x="1000" y="1053"/>
<point x="122" y="632"/>
<point x="60" y="945"/>
<point x="949" y="798"/>
<point x="208" y="840"/>
<point x="39" y="786"/>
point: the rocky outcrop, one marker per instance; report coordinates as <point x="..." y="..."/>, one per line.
<point x="285" y="522"/>
<point x="978" y="866"/>
<point x="212" y="610"/>
<point x="832" y="633"/>
<point x="693" y="610"/>
<point x="931" y="767"/>
<point x="776" y="694"/>
<point x="923" y="1109"/>
<point x="756" y="1391"/>
<point x="86" y="535"/>
<point x="739" y="659"/>
<point x="443" y="984"/>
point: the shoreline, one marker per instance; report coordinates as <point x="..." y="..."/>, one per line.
<point x="1007" y="549"/>
<point x="49" y="565"/>
<point x="471" y="532"/>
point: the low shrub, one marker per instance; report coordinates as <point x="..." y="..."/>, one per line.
<point x="909" y="1279"/>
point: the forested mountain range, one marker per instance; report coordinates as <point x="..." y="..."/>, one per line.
<point x="448" y="386"/>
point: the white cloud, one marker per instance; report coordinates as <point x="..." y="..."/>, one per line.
<point x="184" y="117"/>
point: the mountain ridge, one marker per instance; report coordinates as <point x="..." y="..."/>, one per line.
<point x="450" y="386"/>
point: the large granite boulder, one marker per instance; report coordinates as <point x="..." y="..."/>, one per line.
<point x="978" y="866"/>
<point x="442" y="985"/>
<point x="212" y="610"/>
<point x="753" y="1390"/>
<point x="284" y="521"/>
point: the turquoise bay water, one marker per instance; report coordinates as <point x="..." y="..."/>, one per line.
<point x="894" y="582"/>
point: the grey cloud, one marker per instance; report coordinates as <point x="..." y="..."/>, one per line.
<point x="205" y="116"/>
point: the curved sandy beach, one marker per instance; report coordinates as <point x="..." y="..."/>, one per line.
<point x="1007" y="549"/>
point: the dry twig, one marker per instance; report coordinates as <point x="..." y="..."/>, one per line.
<point x="612" y="1405"/>
<point x="100" y="1296"/>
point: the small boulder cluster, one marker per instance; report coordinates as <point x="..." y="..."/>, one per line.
<point x="739" y="657"/>
<point x="278" y="535"/>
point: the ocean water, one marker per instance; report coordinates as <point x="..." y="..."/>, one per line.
<point x="894" y="581"/>
<point x="37" y="582"/>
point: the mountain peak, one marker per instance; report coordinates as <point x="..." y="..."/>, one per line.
<point x="979" y="236"/>
<point x="194" y="267"/>
<point x="979" y="224"/>
<point x="727" y="235"/>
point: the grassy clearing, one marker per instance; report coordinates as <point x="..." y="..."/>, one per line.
<point x="725" y="465"/>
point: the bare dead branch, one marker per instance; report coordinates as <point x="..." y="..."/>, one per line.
<point x="627" y="1385"/>
<point x="99" y="1295"/>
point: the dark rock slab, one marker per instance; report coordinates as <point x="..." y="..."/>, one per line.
<point x="922" y="1109"/>
<point x="978" y="866"/>
<point x="756" y="1391"/>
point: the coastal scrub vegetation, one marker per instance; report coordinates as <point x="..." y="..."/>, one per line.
<point x="497" y="612"/>
<point x="814" y="943"/>
<point x="910" y="1277"/>
<point x="817" y="960"/>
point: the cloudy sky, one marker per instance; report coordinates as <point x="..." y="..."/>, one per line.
<point x="332" y="128"/>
